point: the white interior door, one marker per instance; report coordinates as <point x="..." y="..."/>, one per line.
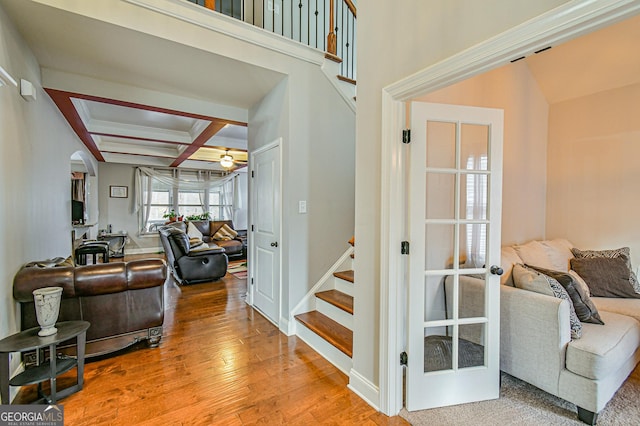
<point x="265" y="260"/>
<point x="454" y="220"/>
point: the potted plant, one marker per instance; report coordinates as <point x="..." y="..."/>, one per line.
<point x="172" y="215"/>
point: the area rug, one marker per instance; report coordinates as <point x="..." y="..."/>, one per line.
<point x="238" y="268"/>
<point x="523" y="404"/>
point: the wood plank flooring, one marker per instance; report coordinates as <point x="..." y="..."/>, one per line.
<point x="219" y="363"/>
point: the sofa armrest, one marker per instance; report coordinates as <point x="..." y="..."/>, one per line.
<point x="534" y="333"/>
<point x="206" y="251"/>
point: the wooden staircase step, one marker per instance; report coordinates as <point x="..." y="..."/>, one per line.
<point x="337" y="299"/>
<point x="346" y="79"/>
<point x="334" y="333"/>
<point x="352" y="241"/>
<point x="345" y="275"/>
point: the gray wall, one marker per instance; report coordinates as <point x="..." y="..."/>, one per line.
<point x="36" y="144"/>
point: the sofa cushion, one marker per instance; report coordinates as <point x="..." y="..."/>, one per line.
<point x="508" y="258"/>
<point x="628" y="307"/>
<point x="585" y="308"/>
<point x="532" y="280"/>
<point x="623" y="252"/>
<point x="193" y="231"/>
<point x="606" y="277"/>
<point x="554" y="254"/>
<point x="559" y="252"/>
<point x="603" y="349"/>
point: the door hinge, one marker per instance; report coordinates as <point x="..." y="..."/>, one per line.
<point x="252" y="174"/>
<point x="251" y="281"/>
<point x="251" y="228"/>
<point x="404" y="358"/>
<point x="404" y="247"/>
<point x="406" y="136"/>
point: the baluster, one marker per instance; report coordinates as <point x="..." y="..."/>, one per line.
<point x="331" y="37"/>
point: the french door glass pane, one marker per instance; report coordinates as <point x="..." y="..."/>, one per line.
<point x="440" y="255"/>
<point x="441" y="144"/>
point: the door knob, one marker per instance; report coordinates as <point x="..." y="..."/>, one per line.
<point x="496" y="270"/>
<point x="274" y="244"/>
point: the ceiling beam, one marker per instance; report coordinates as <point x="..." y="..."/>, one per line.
<point x="199" y="141"/>
<point x="68" y="110"/>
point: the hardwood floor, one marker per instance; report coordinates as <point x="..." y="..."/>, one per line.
<point x="219" y="363"/>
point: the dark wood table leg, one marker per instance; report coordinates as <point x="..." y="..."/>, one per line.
<point x="80" y="348"/>
<point x="53" y="379"/>
<point x="4" y="377"/>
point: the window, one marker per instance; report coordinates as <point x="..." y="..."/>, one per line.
<point x="187" y="192"/>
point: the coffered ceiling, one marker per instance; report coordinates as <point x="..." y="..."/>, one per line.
<point x="124" y="132"/>
<point x="119" y="131"/>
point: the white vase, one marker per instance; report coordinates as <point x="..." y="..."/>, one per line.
<point x="47" y="304"/>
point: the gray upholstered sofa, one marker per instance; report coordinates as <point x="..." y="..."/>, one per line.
<point x="535" y="337"/>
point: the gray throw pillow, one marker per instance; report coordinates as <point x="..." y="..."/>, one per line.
<point x="532" y="280"/>
<point x="622" y="252"/>
<point x="585" y="308"/>
<point x="606" y="277"/>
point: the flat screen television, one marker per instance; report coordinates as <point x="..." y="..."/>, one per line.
<point x="77" y="211"/>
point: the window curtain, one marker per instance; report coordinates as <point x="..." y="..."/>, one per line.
<point x="143" y="190"/>
<point x="476" y="209"/>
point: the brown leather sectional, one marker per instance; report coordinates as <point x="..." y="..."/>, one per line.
<point x="124" y="302"/>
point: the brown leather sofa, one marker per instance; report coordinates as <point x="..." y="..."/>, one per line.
<point x="124" y="302"/>
<point x="235" y="248"/>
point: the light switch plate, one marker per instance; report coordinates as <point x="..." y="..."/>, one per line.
<point x="302" y="207"/>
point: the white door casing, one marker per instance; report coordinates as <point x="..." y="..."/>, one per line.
<point x="266" y="236"/>
<point x="556" y="26"/>
<point x="455" y="186"/>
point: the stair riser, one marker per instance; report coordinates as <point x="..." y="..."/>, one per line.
<point x="338" y="315"/>
<point x="324" y="348"/>
<point x="344" y="286"/>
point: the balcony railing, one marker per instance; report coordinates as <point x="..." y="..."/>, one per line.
<point x="328" y="25"/>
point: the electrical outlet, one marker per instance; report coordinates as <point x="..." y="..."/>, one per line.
<point x="302" y="207"/>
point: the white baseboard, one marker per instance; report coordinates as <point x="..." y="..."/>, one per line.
<point x="146" y="250"/>
<point x="364" y="389"/>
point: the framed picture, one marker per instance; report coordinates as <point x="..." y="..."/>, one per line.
<point x="118" y="191"/>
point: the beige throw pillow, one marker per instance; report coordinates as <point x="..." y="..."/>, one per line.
<point x="225" y="233"/>
<point x="532" y="280"/>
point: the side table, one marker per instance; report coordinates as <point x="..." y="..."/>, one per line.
<point x="29" y="340"/>
<point x="117" y="241"/>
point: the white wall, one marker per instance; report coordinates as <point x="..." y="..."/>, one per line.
<point x="35" y="149"/>
<point x="513" y="89"/>
<point x="317" y="130"/>
<point x="593" y="185"/>
<point x="394" y="42"/>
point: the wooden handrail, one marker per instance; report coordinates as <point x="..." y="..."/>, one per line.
<point x="352" y="7"/>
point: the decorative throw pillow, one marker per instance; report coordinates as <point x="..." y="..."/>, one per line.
<point x="195" y="242"/>
<point x="585" y="308"/>
<point x="225" y="233"/>
<point x="193" y="231"/>
<point x="623" y="252"/>
<point x="532" y="280"/>
<point x="605" y="276"/>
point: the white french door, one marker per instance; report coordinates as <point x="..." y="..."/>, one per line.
<point x="265" y="211"/>
<point x="454" y="225"/>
